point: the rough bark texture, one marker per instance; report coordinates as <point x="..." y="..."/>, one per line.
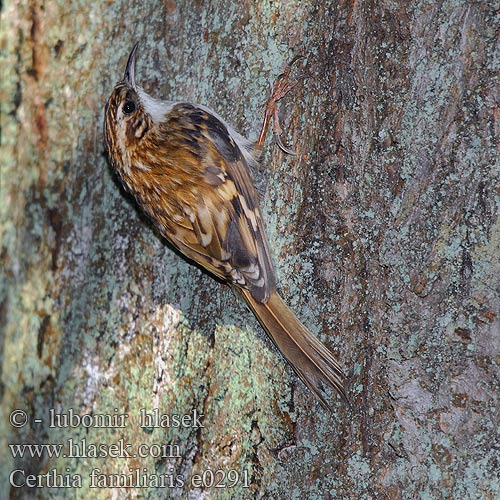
<point x="385" y="232"/>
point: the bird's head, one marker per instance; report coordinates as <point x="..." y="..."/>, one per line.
<point x="130" y="113"/>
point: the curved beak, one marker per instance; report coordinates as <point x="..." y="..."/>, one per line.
<point x="129" y="75"/>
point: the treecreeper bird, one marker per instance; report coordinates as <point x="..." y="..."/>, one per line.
<point x="188" y="170"/>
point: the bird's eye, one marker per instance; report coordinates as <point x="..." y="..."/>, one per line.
<point x="128" y="107"/>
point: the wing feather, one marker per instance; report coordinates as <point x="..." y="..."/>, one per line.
<point x="223" y="231"/>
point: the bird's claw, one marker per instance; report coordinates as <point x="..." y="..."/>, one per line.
<point x="281" y="87"/>
<point x="279" y="142"/>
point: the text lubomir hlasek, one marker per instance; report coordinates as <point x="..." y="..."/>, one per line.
<point x="147" y="419"/>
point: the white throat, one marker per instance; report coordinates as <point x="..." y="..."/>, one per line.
<point x="154" y="107"/>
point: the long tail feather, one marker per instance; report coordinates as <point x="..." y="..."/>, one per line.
<point x="311" y="360"/>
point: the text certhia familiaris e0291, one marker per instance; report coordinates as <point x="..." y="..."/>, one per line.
<point x="188" y="170"/>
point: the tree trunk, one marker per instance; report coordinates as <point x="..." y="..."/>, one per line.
<point x="384" y="230"/>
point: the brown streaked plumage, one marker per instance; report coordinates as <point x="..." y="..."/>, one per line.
<point x="188" y="170"/>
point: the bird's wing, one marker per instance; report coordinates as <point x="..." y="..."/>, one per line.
<point x="220" y="227"/>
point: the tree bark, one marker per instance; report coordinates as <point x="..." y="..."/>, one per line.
<point x="384" y="229"/>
